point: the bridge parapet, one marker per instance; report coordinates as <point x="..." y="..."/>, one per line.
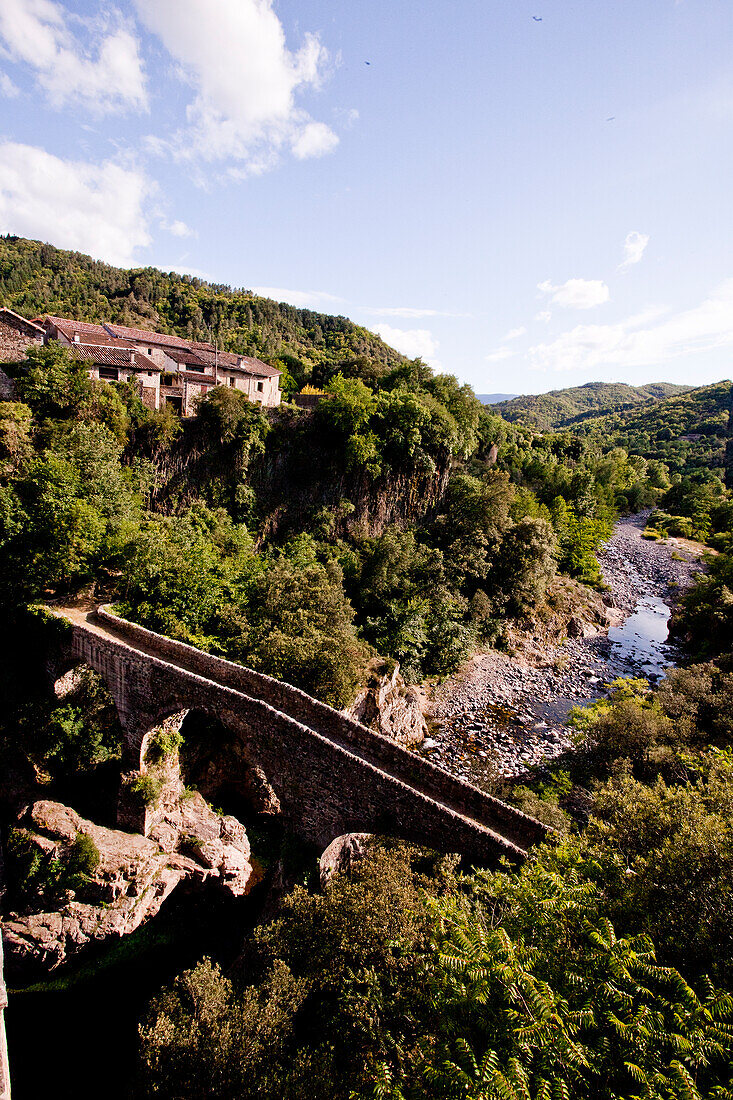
<point x="407" y="766"/>
<point x="330" y="774"/>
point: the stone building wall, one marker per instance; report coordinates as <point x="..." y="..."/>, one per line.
<point x="15" y="338"/>
<point x="7" y="387"/>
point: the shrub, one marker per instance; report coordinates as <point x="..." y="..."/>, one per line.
<point x="147" y="788"/>
<point x="83" y="857"/>
<point x="164" y="743"/>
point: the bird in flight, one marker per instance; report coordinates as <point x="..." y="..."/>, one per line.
<point x="537" y="18"/>
<point x="611" y="118"/>
<point x="367" y="62"/>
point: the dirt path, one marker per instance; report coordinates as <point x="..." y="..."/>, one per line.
<point x="501" y="714"/>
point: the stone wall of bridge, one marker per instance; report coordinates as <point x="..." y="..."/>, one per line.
<point x="412" y="769"/>
<point x="330" y="774"/>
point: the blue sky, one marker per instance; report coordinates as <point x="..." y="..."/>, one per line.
<point x="530" y="195"/>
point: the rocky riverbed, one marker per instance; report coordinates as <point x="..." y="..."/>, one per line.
<point x="503" y="714"/>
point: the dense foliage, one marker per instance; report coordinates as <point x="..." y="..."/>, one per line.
<point x="380" y="522"/>
<point x="559" y="408"/>
<point x="37" y="278"/>
<point x="689" y="432"/>
<point x="402" y="980"/>
<point x="397" y="518"/>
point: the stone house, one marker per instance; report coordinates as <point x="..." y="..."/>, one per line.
<point x="17" y="334"/>
<point x="109" y="359"/>
<point x="169" y="369"/>
<point x="260" y="382"/>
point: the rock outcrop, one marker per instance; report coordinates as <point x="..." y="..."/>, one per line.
<point x="389" y="706"/>
<point x="133" y="877"/>
<point x="569" y="610"/>
<point x="341" y="855"/>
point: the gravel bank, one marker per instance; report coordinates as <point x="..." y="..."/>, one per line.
<point x="500" y="715"/>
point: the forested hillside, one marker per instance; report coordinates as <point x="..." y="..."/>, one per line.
<point x="400" y="519"/>
<point x="37" y="278"/>
<point x="690" y="431"/>
<point x="561" y="407"/>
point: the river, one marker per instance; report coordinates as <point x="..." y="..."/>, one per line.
<point x="503" y="714"/>
<point x="77" y="1039"/>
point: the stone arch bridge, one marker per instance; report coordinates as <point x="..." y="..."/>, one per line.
<point x="330" y="775"/>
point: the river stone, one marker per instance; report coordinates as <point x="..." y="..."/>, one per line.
<point x="341" y="854"/>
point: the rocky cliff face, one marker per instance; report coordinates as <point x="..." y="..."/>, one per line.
<point x="389" y="706"/>
<point x="297" y="476"/>
<point x="133" y="877"/>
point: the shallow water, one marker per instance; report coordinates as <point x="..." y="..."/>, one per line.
<point x="640" y="640"/>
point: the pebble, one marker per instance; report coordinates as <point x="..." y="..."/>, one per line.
<point x="510" y="716"/>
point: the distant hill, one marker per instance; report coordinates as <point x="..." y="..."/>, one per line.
<point x="38" y="278"/>
<point x="559" y="408"/>
<point x="495" y="398"/>
<point x="689" y="432"/>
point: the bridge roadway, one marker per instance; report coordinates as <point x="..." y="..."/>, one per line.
<point x="330" y="774"/>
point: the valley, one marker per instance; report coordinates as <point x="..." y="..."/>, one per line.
<point x="502" y="714"/>
<point x="282" y="584"/>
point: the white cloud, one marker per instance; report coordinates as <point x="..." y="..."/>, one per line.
<point x="414" y="343"/>
<point x="93" y="208"/>
<point x="499" y="354"/>
<point x="646" y="339"/>
<point x="515" y="333"/>
<point x="108" y="76"/>
<point x="577" y="293"/>
<point x="7" y="88"/>
<point x="544" y="316"/>
<point x="179" y="229"/>
<point x="347" y="116"/>
<point x="245" y="82"/>
<point x="303" y="299"/>
<point x="315" y="140"/>
<point x="634" y="247"/>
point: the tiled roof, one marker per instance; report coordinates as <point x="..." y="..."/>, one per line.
<point x="112" y="357"/>
<point x="194" y="353"/>
<point x="207" y="353"/>
<point x="69" y="327"/>
<point x="188" y="358"/>
<point x="142" y="336"/>
<point x="231" y="360"/>
<point x="190" y="376"/>
<point x="103" y="340"/>
<point x="16" y="317"/>
<point x="257" y="367"/>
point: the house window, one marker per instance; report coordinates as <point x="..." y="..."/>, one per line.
<point x="150" y="351"/>
<point x="150" y="374"/>
<point x="260" y="387"/>
<point x="232" y="381"/>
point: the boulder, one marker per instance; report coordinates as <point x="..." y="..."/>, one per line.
<point x="388" y="706"/>
<point x="134" y="876"/>
<point x="341" y="854"/>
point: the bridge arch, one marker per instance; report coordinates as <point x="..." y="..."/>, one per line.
<point x="330" y="774"/>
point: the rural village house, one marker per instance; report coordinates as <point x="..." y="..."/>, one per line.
<point x="167" y="370"/>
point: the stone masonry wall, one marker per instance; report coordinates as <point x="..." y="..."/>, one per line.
<point x="413" y="770"/>
<point x="14" y="341"/>
<point x="326" y="785"/>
